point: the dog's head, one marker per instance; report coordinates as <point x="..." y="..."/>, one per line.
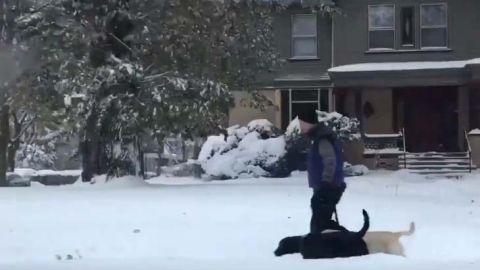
<point x="288" y="245"/>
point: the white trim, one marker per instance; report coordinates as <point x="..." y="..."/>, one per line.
<point x="289" y="105"/>
<point x="305" y="101"/>
<point x="332" y="59"/>
<point x="318" y="101"/>
<point x="331" y="100"/>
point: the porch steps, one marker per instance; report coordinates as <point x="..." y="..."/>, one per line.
<point x="441" y="164"/>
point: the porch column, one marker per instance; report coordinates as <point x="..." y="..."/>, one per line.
<point x="463" y="108"/>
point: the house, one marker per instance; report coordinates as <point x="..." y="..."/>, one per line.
<point x="304" y="41"/>
<point x="411" y="65"/>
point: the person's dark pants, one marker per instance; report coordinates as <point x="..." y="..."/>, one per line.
<point x="323" y="203"/>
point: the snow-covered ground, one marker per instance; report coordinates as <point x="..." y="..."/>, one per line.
<point x="181" y="223"/>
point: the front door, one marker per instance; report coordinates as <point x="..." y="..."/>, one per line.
<point x="430" y="118"/>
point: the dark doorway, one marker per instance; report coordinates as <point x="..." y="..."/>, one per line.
<point x="430" y="118"/>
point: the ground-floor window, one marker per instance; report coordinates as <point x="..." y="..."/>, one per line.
<point x="299" y="100"/>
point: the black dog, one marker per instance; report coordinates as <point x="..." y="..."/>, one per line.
<point x="327" y="245"/>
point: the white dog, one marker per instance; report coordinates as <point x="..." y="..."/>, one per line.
<point x="386" y="242"/>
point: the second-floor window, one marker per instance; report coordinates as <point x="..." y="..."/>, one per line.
<point x="433" y="25"/>
<point x="304" y="36"/>
<point x="381" y="26"/>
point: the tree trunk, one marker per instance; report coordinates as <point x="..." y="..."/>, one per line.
<point x="160" y="140"/>
<point x="15" y="143"/>
<point x="4" y="139"/>
<point x="88" y="149"/>
<point x="197" y="147"/>
<point x="12" y="153"/>
<point x="141" y="157"/>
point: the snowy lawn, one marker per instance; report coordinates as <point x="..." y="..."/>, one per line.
<point x="178" y="223"/>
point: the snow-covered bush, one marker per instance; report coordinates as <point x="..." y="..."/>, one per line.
<point x="264" y="127"/>
<point x="347" y="129"/>
<point x="35" y="156"/>
<point x="259" y="150"/>
<point x="295" y="151"/>
<point x="244" y="152"/>
<point x="40" y="152"/>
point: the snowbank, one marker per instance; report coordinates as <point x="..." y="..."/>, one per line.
<point x="231" y="224"/>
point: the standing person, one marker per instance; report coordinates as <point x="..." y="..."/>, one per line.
<point x="325" y="172"/>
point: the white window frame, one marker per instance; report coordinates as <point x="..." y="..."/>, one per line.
<point x="383" y="28"/>
<point x="318" y="101"/>
<point x="434" y="26"/>
<point x="314" y="37"/>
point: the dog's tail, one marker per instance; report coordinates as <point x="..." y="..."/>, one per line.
<point x="366" y="224"/>
<point x="407" y="233"/>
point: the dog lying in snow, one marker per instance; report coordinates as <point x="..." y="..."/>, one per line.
<point x="328" y="244"/>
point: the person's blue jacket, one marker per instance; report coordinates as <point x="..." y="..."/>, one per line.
<point x="325" y="161"/>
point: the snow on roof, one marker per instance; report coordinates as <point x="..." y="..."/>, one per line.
<point x="303" y="77"/>
<point x="397" y="66"/>
<point x="392" y="135"/>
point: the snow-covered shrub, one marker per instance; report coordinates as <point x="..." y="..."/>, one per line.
<point x="264" y="127"/>
<point x="244" y="152"/>
<point x="35" y="156"/>
<point x="347" y="129"/>
<point x="40" y="153"/>
<point x="295" y="151"/>
<point x="259" y="150"/>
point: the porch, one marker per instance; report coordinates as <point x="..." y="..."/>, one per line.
<point x="434" y="104"/>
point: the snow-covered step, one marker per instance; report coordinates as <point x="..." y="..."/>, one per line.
<point x="436" y="160"/>
<point x="442" y="172"/>
<point x="437" y="154"/>
<point x="446" y="175"/>
<point x="445" y="164"/>
<point x="433" y="157"/>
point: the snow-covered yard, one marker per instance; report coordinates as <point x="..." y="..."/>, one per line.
<point x="175" y="223"/>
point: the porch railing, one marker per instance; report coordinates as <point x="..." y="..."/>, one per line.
<point x="469" y="150"/>
<point x="404" y="141"/>
<point x="380" y="146"/>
